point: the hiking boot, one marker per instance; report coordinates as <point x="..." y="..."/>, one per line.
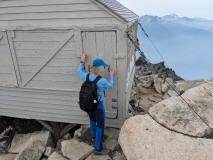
<point x="104" y="151"/>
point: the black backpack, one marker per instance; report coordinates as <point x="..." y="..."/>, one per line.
<point x="88" y="94"/>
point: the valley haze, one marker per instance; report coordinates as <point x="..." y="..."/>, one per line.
<point x="186" y="44"/>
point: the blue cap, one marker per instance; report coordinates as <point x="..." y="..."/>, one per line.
<point x="99" y="62"/>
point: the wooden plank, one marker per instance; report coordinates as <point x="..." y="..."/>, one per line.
<point x="56" y="130"/>
<point x="55" y="15"/>
<point x="67" y="129"/>
<point x="100" y="44"/>
<point x="50" y="70"/>
<point x="15" y="81"/>
<point x="114" y="92"/>
<point x="9" y="114"/>
<point x="42" y="96"/>
<point x="52" y="63"/>
<point x="15" y="63"/>
<point x="54" y="23"/>
<point x="72" y="101"/>
<point x="5" y="69"/>
<point x="56" y="77"/>
<point x="64" y="110"/>
<point x="34" y="36"/>
<point x="52" y="53"/>
<point x="85" y="39"/>
<point x="41" y="45"/>
<point x="50" y="8"/>
<point x="44" y="53"/>
<point x="121" y="65"/>
<point x="80" y="120"/>
<point x="46" y="125"/>
<point x="93" y="54"/>
<point x="54" y="85"/>
<point x="6" y="77"/>
<point x="41" y="2"/>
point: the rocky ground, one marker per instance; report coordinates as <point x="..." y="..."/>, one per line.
<point x="162" y="124"/>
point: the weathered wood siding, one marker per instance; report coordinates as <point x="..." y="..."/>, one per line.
<point x="33" y="47"/>
<point x="51" y="105"/>
<point x="53" y="13"/>
<point x="7" y="73"/>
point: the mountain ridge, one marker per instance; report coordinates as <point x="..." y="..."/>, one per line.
<point x="178" y="43"/>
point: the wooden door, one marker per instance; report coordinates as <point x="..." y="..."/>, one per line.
<point x="103" y="45"/>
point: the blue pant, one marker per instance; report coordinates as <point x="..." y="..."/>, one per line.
<point x="97" y="123"/>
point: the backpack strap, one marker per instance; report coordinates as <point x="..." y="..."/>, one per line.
<point x="87" y="78"/>
<point x="97" y="79"/>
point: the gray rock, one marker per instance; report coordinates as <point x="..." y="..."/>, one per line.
<point x="172" y="93"/>
<point x="164" y="88"/>
<point x="121" y="157"/>
<point x="58" y="145"/>
<point x="149" y="140"/>
<point x="170" y="83"/>
<point x="32" y="150"/>
<point x="7" y="156"/>
<point x="67" y="136"/>
<point x="75" y="150"/>
<point x="177" y="115"/>
<point x="56" y="156"/>
<point x="49" y="151"/>
<point x="183" y="86"/>
<point x="146" y="81"/>
<point x="20" y="140"/>
<point x="98" y="157"/>
<point x="166" y="96"/>
<point x="158" y="84"/>
<point x="110" y="144"/>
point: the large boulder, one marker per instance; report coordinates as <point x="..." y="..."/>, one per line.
<point x="177" y="115"/>
<point x="142" y="138"/>
<point x="183" y="86"/>
<point x="75" y="150"/>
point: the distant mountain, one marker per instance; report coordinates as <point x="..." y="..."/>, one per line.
<point x="187" y="50"/>
<point x="192" y="22"/>
<point x="171" y="17"/>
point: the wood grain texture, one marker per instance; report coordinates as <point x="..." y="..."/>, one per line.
<point x="40" y="2"/>
<point x="50" y="55"/>
<point x="50" y="8"/>
<point x="55" y="15"/>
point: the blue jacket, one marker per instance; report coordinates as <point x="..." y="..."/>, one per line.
<point x="101" y="84"/>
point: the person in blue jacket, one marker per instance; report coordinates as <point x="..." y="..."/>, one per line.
<point x="98" y="116"/>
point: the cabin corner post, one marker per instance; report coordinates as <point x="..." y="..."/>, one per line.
<point x="121" y="69"/>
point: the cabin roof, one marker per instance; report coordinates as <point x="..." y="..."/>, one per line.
<point x="120" y="10"/>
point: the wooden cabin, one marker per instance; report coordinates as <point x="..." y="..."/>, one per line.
<point x="40" y="46"/>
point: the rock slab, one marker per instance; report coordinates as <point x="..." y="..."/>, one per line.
<point x="20" y="140"/>
<point x="56" y="156"/>
<point x="142" y="138"/>
<point x="75" y="150"/>
<point x="7" y="156"/>
<point x="98" y="157"/>
<point x="33" y="150"/>
<point x="176" y="114"/>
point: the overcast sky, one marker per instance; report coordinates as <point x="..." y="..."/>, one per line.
<point x="188" y="8"/>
